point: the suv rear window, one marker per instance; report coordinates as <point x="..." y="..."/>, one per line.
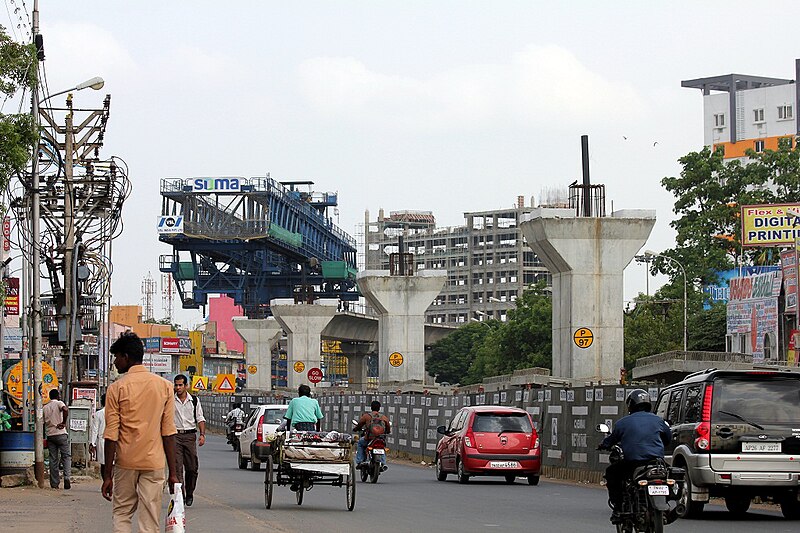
<point x="762" y="401"/>
<point x="497" y="422"/>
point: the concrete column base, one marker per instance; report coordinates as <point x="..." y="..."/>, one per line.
<point x="259" y="336"/>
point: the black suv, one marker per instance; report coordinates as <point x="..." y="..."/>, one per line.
<point x="737" y="434"/>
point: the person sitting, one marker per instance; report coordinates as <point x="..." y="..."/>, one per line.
<point x="372" y="424"/>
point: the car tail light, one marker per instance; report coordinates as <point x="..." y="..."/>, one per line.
<point x="702" y="431"/>
<point x="534" y="441"/>
<point x="260" y="429"/>
<point x="469" y="439"/>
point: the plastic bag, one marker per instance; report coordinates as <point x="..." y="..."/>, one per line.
<point x="176" y="514"/>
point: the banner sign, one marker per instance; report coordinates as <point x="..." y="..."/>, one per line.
<point x="789" y="269"/>
<point x="152" y="344"/>
<point x="157" y="363"/>
<point x="176" y="345"/>
<point x="770" y="225"/>
<point x="12" y="296"/>
<point x="720" y="291"/>
<point x="217" y="185"/>
<point x="753" y="310"/>
<point x="170" y="224"/>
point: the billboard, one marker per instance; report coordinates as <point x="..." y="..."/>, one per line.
<point x="170" y="224"/>
<point x="12" y="296"/>
<point x="770" y="225"/>
<point x="753" y="311"/>
<point x="719" y="291"/>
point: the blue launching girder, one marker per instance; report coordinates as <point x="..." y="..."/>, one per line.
<point x="253" y="239"/>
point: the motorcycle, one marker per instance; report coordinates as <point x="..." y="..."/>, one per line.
<point x="374" y="459"/>
<point x="234" y="430"/>
<point x="647" y="494"/>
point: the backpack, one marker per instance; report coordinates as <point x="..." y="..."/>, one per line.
<point x="377" y="426"/>
<point x="194" y="402"/>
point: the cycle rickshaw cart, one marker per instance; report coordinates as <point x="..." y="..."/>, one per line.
<point x="306" y="459"/>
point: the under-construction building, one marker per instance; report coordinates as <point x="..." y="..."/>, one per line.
<point x="487" y="260"/>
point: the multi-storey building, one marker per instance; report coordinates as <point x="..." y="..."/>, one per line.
<point x="487" y="260"/>
<point x="748" y="112"/>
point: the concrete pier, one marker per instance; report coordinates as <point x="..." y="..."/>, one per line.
<point x="586" y="257"/>
<point x="260" y="335"/>
<point x="401" y="302"/>
<point x="303" y="324"/>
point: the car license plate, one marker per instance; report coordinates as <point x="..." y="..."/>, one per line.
<point x="504" y="464"/>
<point x="378" y="451"/>
<point x="761" y="447"/>
<point x="658" y="490"/>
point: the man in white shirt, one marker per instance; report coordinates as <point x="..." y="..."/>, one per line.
<point x="55" y="421"/>
<point x="96" y="440"/>
<point x="188" y="420"/>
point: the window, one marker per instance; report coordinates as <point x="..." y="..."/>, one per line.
<point x="784" y="112"/>
<point x="719" y="120"/>
<point x="694" y="401"/>
<point x="785" y="142"/>
<point x="661" y="409"/>
<point x="759" y="146"/>
<point x="758" y="115"/>
<point x="674" y="411"/>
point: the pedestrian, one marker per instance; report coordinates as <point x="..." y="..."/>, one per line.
<point x="55" y="419"/>
<point x="303" y="412"/>
<point x="139" y="439"/>
<point x="188" y="420"/>
<point x="96" y="441"/>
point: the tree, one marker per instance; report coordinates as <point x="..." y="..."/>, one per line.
<point x="452" y="357"/>
<point x="18" y="133"/>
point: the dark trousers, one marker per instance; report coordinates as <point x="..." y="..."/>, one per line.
<point x="616" y="475"/>
<point x="186" y="448"/>
<point x="59" y="448"/>
<point x="305" y="426"/>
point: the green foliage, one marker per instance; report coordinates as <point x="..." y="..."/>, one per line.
<point x="18" y="133"/>
<point x="477" y="350"/>
<point x="708" y="329"/>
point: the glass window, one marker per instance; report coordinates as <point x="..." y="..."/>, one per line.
<point x="497" y="422"/>
<point x="274" y="416"/>
<point x="674" y="411"/>
<point x="759" y="146"/>
<point x="770" y="401"/>
<point x="758" y="115"/>
<point x="694" y="404"/>
<point x="661" y="408"/>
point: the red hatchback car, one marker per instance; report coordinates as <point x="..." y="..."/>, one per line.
<point x="489" y="440"/>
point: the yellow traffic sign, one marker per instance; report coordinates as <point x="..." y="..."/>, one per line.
<point x="252" y="369"/>
<point x="225" y="383"/>
<point x="299" y="366"/>
<point x="583" y="337"/>
<point x="199" y="383"/>
<point x="396" y="359"/>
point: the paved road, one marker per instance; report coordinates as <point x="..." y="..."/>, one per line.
<point x="408" y="498"/>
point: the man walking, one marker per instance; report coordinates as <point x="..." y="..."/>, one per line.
<point x="188" y="419"/>
<point x="55" y="420"/>
<point x="96" y="440"/>
<point x="139" y="439"/>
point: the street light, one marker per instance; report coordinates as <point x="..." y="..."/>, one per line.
<point x="650" y="253"/>
<point x="95" y="83"/>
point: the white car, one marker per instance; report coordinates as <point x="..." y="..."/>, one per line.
<point x="253" y="446"/>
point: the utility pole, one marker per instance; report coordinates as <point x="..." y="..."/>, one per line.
<point x="70" y="254"/>
<point x="36" y="307"/>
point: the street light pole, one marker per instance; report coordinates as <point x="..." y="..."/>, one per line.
<point x="649" y="253"/>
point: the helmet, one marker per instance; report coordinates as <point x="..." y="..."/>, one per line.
<point x="638" y="400"/>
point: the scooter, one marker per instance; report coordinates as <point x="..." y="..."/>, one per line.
<point x="646" y="494"/>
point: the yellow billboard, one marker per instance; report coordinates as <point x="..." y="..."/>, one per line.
<point x="770" y="225"/>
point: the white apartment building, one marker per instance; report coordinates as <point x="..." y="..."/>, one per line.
<point x="743" y="112"/>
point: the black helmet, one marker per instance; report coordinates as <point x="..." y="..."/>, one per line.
<point x="638" y="400"/>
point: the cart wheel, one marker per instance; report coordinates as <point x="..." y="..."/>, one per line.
<point x="300" y="492"/>
<point x="351" y="488"/>
<point x="268" y="484"/>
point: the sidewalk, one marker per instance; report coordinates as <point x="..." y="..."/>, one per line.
<point x="80" y="509"/>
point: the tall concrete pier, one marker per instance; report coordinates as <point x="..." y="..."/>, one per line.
<point x="303" y="324"/>
<point x="401" y="301"/>
<point x="586" y="257"/>
<point x="260" y="336"/>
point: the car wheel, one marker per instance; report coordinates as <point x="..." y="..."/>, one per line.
<point x="737" y="502"/>
<point x="687" y="508"/>
<point x="463" y="477"/>
<point x="242" y="461"/>
<point x="437" y="466"/>
<point x="790" y="506"/>
<point x="533" y="480"/>
<point x="510" y="479"/>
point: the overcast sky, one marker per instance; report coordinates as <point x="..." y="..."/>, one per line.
<point x="447" y="106"/>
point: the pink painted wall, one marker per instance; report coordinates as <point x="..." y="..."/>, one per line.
<point x="221" y="310"/>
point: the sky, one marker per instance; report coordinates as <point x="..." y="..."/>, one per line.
<point x="442" y="106"/>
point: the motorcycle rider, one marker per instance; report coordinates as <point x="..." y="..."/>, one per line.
<point x="234" y="416"/>
<point x="642" y="436"/>
<point x="372" y="424"/>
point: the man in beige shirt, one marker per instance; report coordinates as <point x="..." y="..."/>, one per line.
<point x="139" y="439"/>
<point x="55" y="420"/>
